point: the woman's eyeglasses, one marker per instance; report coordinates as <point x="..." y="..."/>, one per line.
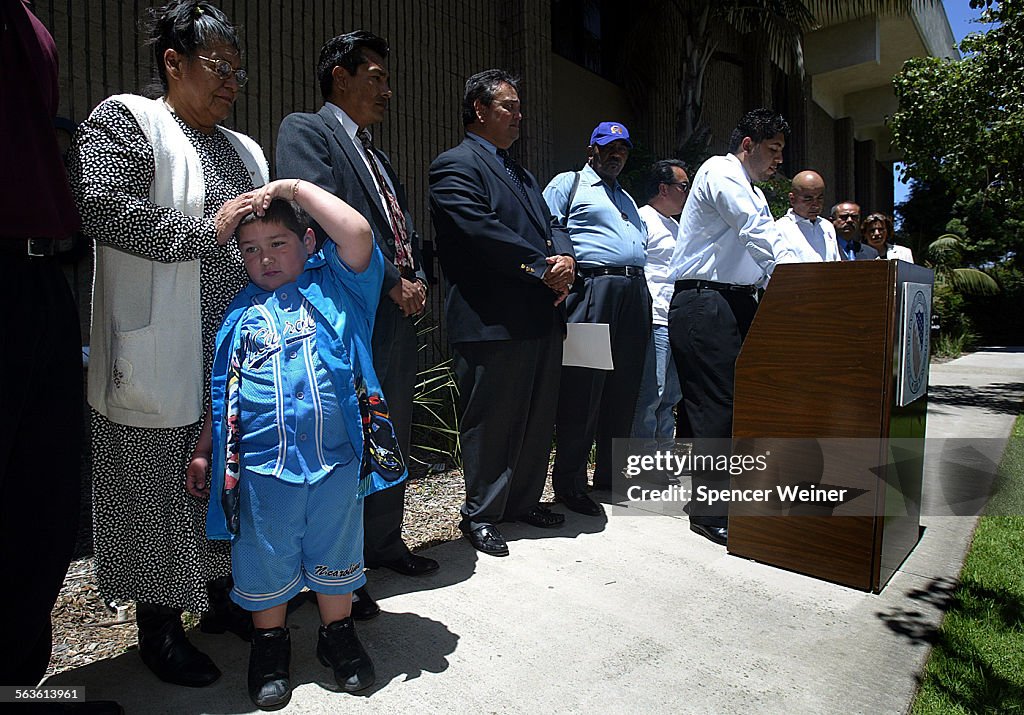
<point x="224" y="70"/>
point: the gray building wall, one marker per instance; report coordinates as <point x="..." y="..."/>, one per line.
<point x="436" y="44"/>
<point x="820" y="153"/>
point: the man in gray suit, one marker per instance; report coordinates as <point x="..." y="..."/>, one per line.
<point x="334" y="149"/>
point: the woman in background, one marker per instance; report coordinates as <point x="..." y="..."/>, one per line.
<point x="878" y="232"/>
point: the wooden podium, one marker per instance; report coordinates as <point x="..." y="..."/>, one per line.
<point x="819" y="383"/>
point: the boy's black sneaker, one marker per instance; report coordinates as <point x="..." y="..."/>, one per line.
<point x="339" y="649"/>
<point x="270" y="686"/>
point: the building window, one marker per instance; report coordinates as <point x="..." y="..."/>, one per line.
<point x="589" y="33"/>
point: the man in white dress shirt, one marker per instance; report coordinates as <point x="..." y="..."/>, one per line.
<point x="728" y="247"/>
<point x="667" y="188"/>
<point x="812" y="237"/>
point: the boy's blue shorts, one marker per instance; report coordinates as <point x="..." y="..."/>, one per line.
<point x="296" y="535"/>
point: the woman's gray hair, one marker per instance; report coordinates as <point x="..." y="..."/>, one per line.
<point x="186" y="26"/>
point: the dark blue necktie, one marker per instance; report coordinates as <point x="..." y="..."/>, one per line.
<point x="513" y="170"/>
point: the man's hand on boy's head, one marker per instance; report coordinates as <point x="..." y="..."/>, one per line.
<point x="196" y="482"/>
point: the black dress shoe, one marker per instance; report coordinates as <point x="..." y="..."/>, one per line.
<point x="224" y="614"/>
<point x="580" y="503"/>
<point x="338" y="648"/>
<point x="270" y="686"/>
<point x="717" y="534"/>
<point x="408" y="565"/>
<point x="166" y="651"/>
<point x="487" y="539"/>
<point x="363" y="606"/>
<point x="542" y="517"/>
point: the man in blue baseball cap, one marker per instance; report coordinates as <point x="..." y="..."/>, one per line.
<point x="610" y="240"/>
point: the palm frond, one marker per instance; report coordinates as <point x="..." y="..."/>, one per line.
<point x="829" y="12"/>
<point x="945" y="250"/>
<point x="973" y="282"/>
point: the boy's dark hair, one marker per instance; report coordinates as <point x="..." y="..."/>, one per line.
<point x="346" y="51"/>
<point x="483" y="86"/>
<point x="759" y="124"/>
<point x="187" y="28"/>
<point x="661" y="173"/>
<point x="287" y="213"/>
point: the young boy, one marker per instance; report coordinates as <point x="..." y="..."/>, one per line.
<point x="296" y="444"/>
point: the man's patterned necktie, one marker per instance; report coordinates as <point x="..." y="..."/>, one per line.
<point x="403" y="247"/>
<point x="513" y="170"/>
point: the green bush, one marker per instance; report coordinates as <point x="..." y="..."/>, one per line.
<point x="996" y="318"/>
<point x="435" y="418"/>
<point x="435" y="426"/>
<point x="951" y="345"/>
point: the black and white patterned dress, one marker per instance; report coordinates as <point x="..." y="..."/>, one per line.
<point x="148" y="532"/>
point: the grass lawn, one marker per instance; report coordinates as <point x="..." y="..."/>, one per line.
<point x="977" y="664"/>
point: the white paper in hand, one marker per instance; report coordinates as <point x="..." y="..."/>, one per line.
<point x="588" y="345"/>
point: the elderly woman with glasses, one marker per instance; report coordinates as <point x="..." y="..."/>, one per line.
<point x="878" y="232"/>
<point x="161" y="187"/>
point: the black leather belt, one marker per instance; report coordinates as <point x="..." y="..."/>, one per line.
<point x="630" y="271"/>
<point x="714" y="285"/>
<point x="30" y="247"/>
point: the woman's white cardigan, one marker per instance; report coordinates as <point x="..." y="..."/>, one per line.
<point x="145" y="357"/>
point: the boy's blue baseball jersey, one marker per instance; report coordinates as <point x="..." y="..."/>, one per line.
<point x="290" y="423"/>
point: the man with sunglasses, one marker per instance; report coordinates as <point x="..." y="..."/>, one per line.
<point x="609" y="239"/>
<point x="667" y="188"/>
<point x="846" y="219"/>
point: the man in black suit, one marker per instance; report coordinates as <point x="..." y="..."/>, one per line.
<point x="846" y="219"/>
<point x="333" y="149"/>
<point x="509" y="266"/>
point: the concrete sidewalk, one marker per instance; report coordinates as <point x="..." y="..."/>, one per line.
<point x="631" y="614"/>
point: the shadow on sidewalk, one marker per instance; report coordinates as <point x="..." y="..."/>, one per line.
<point x="1000" y="398"/>
<point x="403" y="646"/>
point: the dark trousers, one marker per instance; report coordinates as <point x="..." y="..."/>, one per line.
<point x="508" y="392"/>
<point x="394" y="361"/>
<point x="706" y="328"/>
<point x="41" y="429"/>
<point x="599" y="404"/>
